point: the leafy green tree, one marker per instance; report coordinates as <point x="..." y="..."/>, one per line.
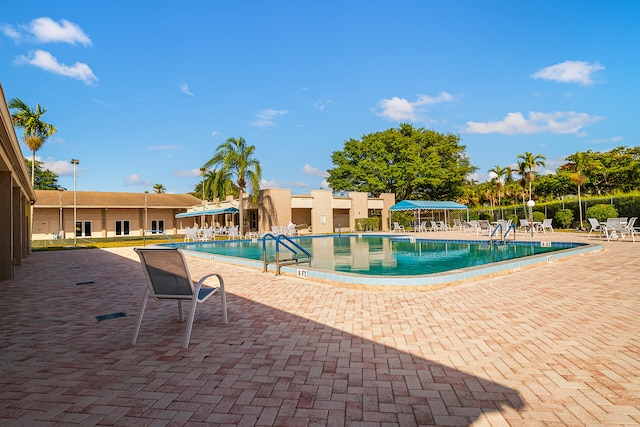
<point x="44" y="179"/>
<point x="564" y="217"/>
<point x="235" y="158"/>
<point x="34" y="131"/>
<point x="412" y="163"/>
<point x="528" y="164"/>
<point x="159" y="189"/>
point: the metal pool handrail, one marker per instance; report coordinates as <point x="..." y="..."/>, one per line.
<point x="283" y="240"/>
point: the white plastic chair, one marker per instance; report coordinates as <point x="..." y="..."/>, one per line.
<point x="168" y="279"/>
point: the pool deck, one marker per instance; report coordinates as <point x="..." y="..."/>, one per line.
<point x="556" y="344"/>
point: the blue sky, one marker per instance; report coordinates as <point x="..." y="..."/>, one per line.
<point x="143" y="92"/>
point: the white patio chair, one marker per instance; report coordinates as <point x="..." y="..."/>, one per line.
<point x="397" y="228"/>
<point x="168" y="279"/>
<point x="595" y="226"/>
<point x="484" y="227"/>
<point x="233" y="233"/>
<point x="547" y="225"/>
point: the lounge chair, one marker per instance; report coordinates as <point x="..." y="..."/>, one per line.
<point x="292" y="230"/>
<point x="168" y="278"/>
<point x="397" y="227"/>
<point x="233" y="233"/>
<point x="546" y="225"/>
<point x="595" y="226"/>
<point x="275" y="230"/>
<point x="484" y="227"/>
<point x="457" y="224"/>
<point x="435" y="226"/>
<point x="191" y="234"/>
<point x="525" y="224"/>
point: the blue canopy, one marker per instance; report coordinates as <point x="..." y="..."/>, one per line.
<point x="208" y="212"/>
<point x="429" y="205"/>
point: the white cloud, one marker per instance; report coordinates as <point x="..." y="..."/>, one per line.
<point x="299" y="184"/>
<point x="163" y="147"/>
<point x="268" y="184"/>
<point x="11" y="32"/>
<point x="184" y="88"/>
<point x="214" y="133"/>
<point x="321" y="104"/>
<point x="606" y="140"/>
<point x="325" y="185"/>
<point x="308" y="169"/>
<point x="47" y="30"/>
<point x="187" y="173"/>
<point x="401" y="109"/>
<point x="46" y="61"/>
<point x="560" y="122"/>
<point x="569" y="72"/>
<point x="136" y="180"/>
<point x="60" y="167"/>
<point x="266" y="118"/>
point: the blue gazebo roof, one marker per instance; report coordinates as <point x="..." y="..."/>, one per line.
<point x="429" y="205"/>
<point x="208" y="212"/>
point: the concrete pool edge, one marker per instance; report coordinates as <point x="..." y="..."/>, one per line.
<point x="425" y="282"/>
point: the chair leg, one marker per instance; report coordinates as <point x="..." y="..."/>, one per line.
<point x="140" y="314"/>
<point x="180" y="313"/>
<point x="192" y="315"/>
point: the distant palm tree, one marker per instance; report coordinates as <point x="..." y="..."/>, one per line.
<point x="34" y="131"/>
<point x="528" y="166"/>
<point x="235" y="158"/>
<point x="578" y="164"/>
<point x="159" y="189"/>
<point x="501" y="174"/>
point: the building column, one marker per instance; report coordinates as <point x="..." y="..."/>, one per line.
<point x="20" y="230"/>
<point x="7" y="262"/>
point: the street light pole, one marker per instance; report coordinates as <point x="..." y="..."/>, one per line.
<point x="75" y="163"/>
<point x="531" y="204"/>
<point x="60" y="232"/>
<point x="202" y="170"/>
<point x="146" y="218"/>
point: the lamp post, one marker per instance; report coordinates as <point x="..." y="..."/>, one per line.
<point x="60" y="232"/>
<point x="146" y="218"/>
<point x="202" y="170"/>
<point x="75" y="163"/>
<point x="531" y="204"/>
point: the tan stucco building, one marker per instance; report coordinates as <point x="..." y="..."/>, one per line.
<point x="16" y="196"/>
<point x="320" y="211"/>
<point x="106" y="214"/>
<point x="113" y="214"/>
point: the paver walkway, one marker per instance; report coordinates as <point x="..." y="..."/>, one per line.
<point x="558" y="344"/>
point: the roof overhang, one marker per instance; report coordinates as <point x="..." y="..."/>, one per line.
<point x="208" y="212"/>
<point x="428" y="205"/>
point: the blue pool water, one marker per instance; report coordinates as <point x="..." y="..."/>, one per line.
<point x="384" y="255"/>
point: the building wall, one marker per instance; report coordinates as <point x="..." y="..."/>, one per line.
<point x="322" y="212"/>
<point x="16" y="197"/>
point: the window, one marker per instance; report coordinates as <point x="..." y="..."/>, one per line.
<point x="157" y="225"/>
<point x="122" y="228"/>
<point x="83" y="229"/>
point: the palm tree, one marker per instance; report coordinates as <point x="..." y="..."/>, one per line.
<point x="34" y="131"/>
<point x="528" y="165"/>
<point x="578" y="164"/>
<point x="235" y="158"/>
<point x="501" y="174"/>
<point x="159" y="189"/>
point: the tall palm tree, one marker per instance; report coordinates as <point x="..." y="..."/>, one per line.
<point x="501" y="174"/>
<point x="235" y="158"/>
<point x="578" y="164"/>
<point x="528" y="166"/>
<point x="34" y="131"/>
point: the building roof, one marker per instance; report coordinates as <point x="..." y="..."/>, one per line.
<point x="429" y="205"/>
<point x="99" y="199"/>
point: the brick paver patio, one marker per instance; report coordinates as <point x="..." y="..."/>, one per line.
<point x="558" y="344"/>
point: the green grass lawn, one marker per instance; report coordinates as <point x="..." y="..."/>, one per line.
<point x="103" y="242"/>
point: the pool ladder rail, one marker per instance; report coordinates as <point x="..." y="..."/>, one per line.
<point x="298" y="253"/>
<point x="502" y="237"/>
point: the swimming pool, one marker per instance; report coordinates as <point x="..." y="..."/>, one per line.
<point x="392" y="260"/>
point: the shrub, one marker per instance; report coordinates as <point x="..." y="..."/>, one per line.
<point x="602" y="212"/>
<point x="538" y="216"/>
<point x="564" y="217"/>
<point x="514" y="219"/>
<point x="486" y="216"/>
